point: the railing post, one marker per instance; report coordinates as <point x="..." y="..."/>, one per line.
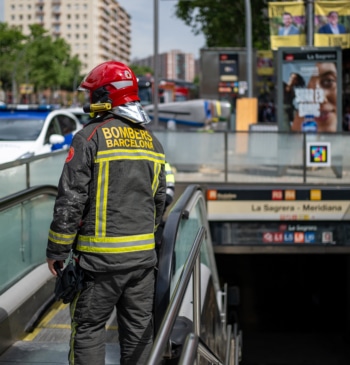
<point x="226" y="155"/>
<point x="197" y="298"/>
<point x="304" y="157"/>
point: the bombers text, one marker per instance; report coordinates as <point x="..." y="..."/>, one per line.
<point x="127" y="137"/>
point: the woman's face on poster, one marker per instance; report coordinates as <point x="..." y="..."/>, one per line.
<point x="324" y="86"/>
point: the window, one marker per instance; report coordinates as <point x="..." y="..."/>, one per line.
<point x="52" y="129"/>
<point x="67" y="124"/>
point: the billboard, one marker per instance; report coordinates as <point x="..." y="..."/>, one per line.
<point x="287" y="24"/>
<point x="228" y="66"/>
<point x="332" y="24"/>
<point x="311" y="80"/>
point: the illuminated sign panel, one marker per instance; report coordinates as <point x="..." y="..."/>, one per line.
<point x="279" y="216"/>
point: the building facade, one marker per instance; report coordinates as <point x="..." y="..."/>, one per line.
<point x="172" y="65"/>
<point x="96" y="30"/>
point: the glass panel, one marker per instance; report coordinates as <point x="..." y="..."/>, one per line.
<point x="201" y="156"/>
<point x="187" y="233"/>
<point x="12" y="180"/>
<point x="47" y="170"/>
<point x="23" y="244"/>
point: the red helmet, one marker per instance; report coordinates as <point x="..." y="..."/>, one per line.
<point x="112" y="82"/>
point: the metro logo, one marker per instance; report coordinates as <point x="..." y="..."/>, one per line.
<point x="267" y="237"/>
<point x="278" y="237"/>
<point x="299" y="237"/>
<point x="288" y="237"/>
<point x="290" y="194"/>
<point x="310" y="237"/>
<point x="277" y="195"/>
<point x="211" y="194"/>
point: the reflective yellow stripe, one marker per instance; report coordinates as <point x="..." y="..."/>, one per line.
<point x="62" y="239"/>
<point x="130" y="154"/>
<point x="155" y="182"/>
<point x="115" y="250"/>
<point x="98" y="198"/>
<point x="105" y="200"/>
<point x="218" y="108"/>
<point x="74" y="326"/>
<point x="121" y="244"/>
<point x="170" y="177"/>
<point x="102" y="199"/>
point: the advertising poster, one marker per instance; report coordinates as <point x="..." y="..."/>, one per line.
<point x="228" y="66"/>
<point x="311" y="81"/>
<point x="265" y="86"/>
<point x="332" y="24"/>
<point x="287" y="24"/>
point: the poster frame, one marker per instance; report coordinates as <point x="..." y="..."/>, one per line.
<point x="307" y="52"/>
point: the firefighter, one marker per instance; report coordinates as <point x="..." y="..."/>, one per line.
<point x="170" y="192"/>
<point x="110" y="201"/>
<point x="170" y="184"/>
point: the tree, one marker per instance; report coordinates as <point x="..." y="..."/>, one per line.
<point x="141" y="70"/>
<point x="11" y="43"/>
<point x="36" y="59"/>
<point x="49" y="61"/>
<point x="222" y="22"/>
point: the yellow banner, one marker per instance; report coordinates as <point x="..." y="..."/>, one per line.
<point x="264" y="63"/>
<point x="332" y="24"/>
<point x="26" y="88"/>
<point x="287" y="24"/>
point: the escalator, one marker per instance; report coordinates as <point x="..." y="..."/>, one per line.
<point x="35" y="329"/>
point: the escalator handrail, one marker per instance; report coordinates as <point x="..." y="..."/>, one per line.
<point x="166" y="327"/>
<point x="165" y="267"/>
<point x="26" y="194"/>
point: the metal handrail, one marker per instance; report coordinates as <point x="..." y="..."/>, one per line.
<point x="192" y="266"/>
<point x="194" y="346"/>
<point x="26" y="194"/>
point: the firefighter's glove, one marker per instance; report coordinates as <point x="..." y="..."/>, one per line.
<point x="69" y="281"/>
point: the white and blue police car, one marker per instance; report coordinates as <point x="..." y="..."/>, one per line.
<point x="30" y="130"/>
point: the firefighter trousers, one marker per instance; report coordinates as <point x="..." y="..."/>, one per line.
<point x="132" y="293"/>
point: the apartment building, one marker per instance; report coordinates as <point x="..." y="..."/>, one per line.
<point x="172" y="65"/>
<point x="96" y="30"/>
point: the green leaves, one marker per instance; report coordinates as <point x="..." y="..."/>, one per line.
<point x="36" y="59"/>
<point x="223" y="21"/>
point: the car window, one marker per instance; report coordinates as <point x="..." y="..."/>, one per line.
<point x="53" y="128"/>
<point x="20" y="129"/>
<point x="83" y="118"/>
<point x="67" y="124"/>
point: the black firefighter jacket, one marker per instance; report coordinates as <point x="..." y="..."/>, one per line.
<point x="111" y="197"/>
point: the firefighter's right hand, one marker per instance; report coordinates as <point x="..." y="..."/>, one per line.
<point x="50" y="263"/>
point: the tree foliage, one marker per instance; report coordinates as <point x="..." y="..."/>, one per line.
<point x="11" y="40"/>
<point x="36" y="59"/>
<point x="141" y="70"/>
<point x="223" y="22"/>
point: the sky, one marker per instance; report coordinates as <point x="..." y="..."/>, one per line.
<point x="173" y="33"/>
